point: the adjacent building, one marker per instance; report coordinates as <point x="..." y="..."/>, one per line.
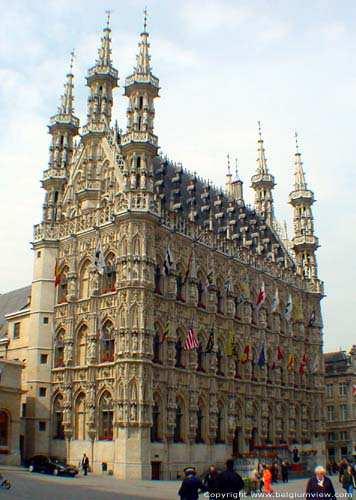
<point x="340" y="403"/>
<point x="169" y="322"/>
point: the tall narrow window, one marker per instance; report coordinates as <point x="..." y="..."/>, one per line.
<point x="177" y="437"/>
<point x="178" y="354"/>
<point x="79" y="417"/>
<point x="59" y="349"/>
<point x="106" y="417"/>
<point x="4" y="429"/>
<point x="219" y="427"/>
<point x="201" y="290"/>
<point x="63" y="286"/>
<point x="107" y="347"/>
<point x="155" y="423"/>
<point x="156" y="346"/>
<point x="199" y="430"/>
<point x="158" y="279"/>
<point x="219" y="360"/>
<point x="200" y="358"/>
<point x="58" y="428"/>
<point x="220" y="302"/>
<point x="179" y="282"/>
<point x="109" y="276"/>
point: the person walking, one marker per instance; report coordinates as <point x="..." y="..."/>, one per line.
<point x="229" y="481"/>
<point x="267" y="480"/>
<point x="210" y="481"/>
<point x="85" y="464"/>
<point x="320" y="486"/>
<point x="348" y="480"/>
<point x="342" y="467"/>
<point x="191" y="485"/>
<point x="285" y="471"/>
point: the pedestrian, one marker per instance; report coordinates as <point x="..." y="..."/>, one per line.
<point x="342" y="467"/>
<point x="320" y="486"/>
<point x="348" y="480"/>
<point x="274" y="471"/>
<point x="230" y="482"/>
<point x="211" y="481"/>
<point x="267" y="480"/>
<point x="285" y="471"/>
<point x="260" y="473"/>
<point x="191" y="485"/>
<point x="85" y="464"/>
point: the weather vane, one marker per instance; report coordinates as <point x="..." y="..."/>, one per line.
<point x="108" y="13"/>
<point x="145" y="19"/>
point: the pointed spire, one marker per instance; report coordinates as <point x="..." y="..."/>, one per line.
<point x="67" y="99"/>
<point x="299" y="176"/>
<point x="143" y="58"/>
<point x="261" y="159"/>
<point x="105" y="49"/>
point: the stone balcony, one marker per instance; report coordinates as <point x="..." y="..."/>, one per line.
<point x="139" y="137"/>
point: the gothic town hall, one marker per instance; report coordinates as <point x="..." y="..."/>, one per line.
<point x="168" y="323"/>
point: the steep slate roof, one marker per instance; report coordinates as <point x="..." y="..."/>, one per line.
<point x="11" y="302"/>
<point x="187" y="194"/>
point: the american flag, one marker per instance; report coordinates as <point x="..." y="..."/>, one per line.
<point x="191" y="342"/>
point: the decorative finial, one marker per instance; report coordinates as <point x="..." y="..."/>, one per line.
<point x="259" y="130"/>
<point x="72" y="56"/>
<point x="108" y="14"/>
<point x="236" y="170"/>
<point x="228" y="164"/>
<point x="145" y="19"/>
<point x="296" y="142"/>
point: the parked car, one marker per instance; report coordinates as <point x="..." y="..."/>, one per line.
<point x="51" y="465"/>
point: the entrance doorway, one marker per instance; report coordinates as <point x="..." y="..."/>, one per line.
<point x="22" y="448"/>
<point x="236" y="443"/>
<point x="156" y="471"/>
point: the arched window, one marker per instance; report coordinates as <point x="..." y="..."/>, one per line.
<point x="237" y="366"/>
<point x="106" y="417"/>
<point x="59" y="349"/>
<point x="219" y="426"/>
<point x="107" y="345"/>
<point x="219" y="363"/>
<point x="84" y="280"/>
<point x="63" y="286"/>
<point x="200" y="358"/>
<point x="58" y="428"/>
<point x="79" y="417"/>
<point x="109" y="276"/>
<point x="179" y="354"/>
<point x="156" y="345"/>
<point x="80" y="357"/>
<point x="199" y="436"/>
<point x="178" y="427"/>
<point x="4" y="429"/>
<point x="155" y="423"/>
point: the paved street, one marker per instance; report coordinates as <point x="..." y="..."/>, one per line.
<point x="42" y="487"/>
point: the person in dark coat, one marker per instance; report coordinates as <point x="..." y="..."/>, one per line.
<point x="285" y="471"/>
<point x="342" y="467"/>
<point x="211" y="480"/>
<point x="191" y="485"/>
<point x="229" y="481"/>
<point x="320" y="486"/>
<point x="348" y="480"/>
<point x="85" y="464"/>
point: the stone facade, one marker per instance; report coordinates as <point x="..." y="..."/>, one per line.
<point x="10" y="398"/>
<point x="143" y="252"/>
<point x="340" y="403"/>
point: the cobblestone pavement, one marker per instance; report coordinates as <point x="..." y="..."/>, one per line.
<point x="27" y="486"/>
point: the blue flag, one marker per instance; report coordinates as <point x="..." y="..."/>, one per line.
<point x="262" y="357"/>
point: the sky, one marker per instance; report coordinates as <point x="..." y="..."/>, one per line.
<point x="223" y="66"/>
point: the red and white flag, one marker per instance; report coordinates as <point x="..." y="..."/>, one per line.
<point x="191" y="342"/>
<point x="261" y="297"/>
<point x="278" y="358"/>
<point x="303" y="364"/>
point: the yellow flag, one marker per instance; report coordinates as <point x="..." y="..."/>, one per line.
<point x="229" y="346"/>
<point x="291" y="362"/>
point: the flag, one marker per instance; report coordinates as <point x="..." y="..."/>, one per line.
<point x="57" y="273"/>
<point x="262" y="356"/>
<point x="99" y="261"/>
<point x="246" y="355"/>
<point x="312" y="319"/>
<point x="291" y="362"/>
<point x="227" y="286"/>
<point x="187" y="271"/>
<point x="229" y="346"/>
<point x="165" y="332"/>
<point x="168" y="261"/>
<point x="314" y="365"/>
<point x="275" y="302"/>
<point x="191" y="341"/>
<point x="288" y="309"/>
<point x="303" y="364"/>
<point x="278" y="358"/>
<point x="211" y="341"/>
<point x="261" y="297"/>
